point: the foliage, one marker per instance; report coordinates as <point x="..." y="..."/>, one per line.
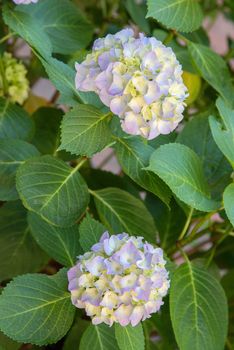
<point x="176" y="190"/>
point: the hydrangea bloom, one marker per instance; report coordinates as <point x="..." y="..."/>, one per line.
<point x="122" y="279"/>
<point x="139" y="79"/>
<point x="24" y="2"/>
<point x="17" y="85"/>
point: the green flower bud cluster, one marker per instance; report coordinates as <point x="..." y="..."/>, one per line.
<point x="13" y="81"/>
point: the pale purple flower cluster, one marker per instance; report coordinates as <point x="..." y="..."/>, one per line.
<point x="25" y="2"/>
<point x="139" y="79"/>
<point x="122" y="279"/>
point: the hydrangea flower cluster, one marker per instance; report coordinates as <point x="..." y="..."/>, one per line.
<point x="122" y="279"/>
<point x="13" y="81"/>
<point x="139" y="79"/>
<point x="25" y="2"/>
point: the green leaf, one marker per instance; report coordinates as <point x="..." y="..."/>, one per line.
<point x="198" y="309"/>
<point x="13" y="153"/>
<point x="121" y="212"/>
<point x="63" y="23"/>
<point x="74" y="336"/>
<point x="228" y="198"/>
<point x="62" y="244"/>
<point x="224" y="134"/>
<point x="53" y="190"/>
<point x="134" y="155"/>
<point x="84" y="123"/>
<point x="29" y="29"/>
<point x="197" y="135"/>
<point x="91" y="231"/>
<point x="228" y="285"/>
<point x="182" y="171"/>
<point x="182" y="15"/>
<point x="14" y="122"/>
<point x="47" y="129"/>
<point x="99" y="337"/>
<point x="138" y="12"/>
<point x="19" y="253"/>
<point x="63" y="78"/>
<point x="131" y="338"/>
<point x="208" y="63"/>
<point x="169" y="221"/>
<point x="35" y="310"/>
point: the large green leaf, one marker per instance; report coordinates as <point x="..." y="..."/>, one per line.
<point x="197" y="135"/>
<point x="228" y="198"/>
<point x="182" y="15"/>
<point x="134" y="155"/>
<point x="19" y="253"/>
<point x="72" y="341"/>
<point x="14" y="121"/>
<point x="122" y="212"/>
<point x="13" y="153"/>
<point x="62" y="244"/>
<point x="228" y="285"/>
<point x="85" y="123"/>
<point x="99" y="337"/>
<point x="138" y="11"/>
<point x="64" y="23"/>
<point x="29" y="29"/>
<point x="169" y="221"/>
<point x="63" y="78"/>
<point x="198" y="309"/>
<point x="208" y="63"/>
<point x="34" y="309"/>
<point x="53" y="190"/>
<point x="131" y="338"/>
<point x="182" y="171"/>
<point x="47" y="129"/>
<point x="223" y="134"/>
<point x="91" y="231"/>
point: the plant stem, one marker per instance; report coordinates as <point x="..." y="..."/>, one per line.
<point x="6" y="37"/>
<point x="168" y="38"/>
<point x="80" y="163"/>
<point x="200" y="223"/>
<point x="2" y="74"/>
<point x="185" y="228"/>
<point x="219" y="241"/>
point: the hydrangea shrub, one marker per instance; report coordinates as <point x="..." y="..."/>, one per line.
<point x="116" y="176"/>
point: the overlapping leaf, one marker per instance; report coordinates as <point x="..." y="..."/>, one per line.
<point x="19" y="253"/>
<point x="29" y="29"/>
<point x="182" y="171"/>
<point x="99" y="337"/>
<point x="52" y="189"/>
<point x="228" y="198"/>
<point x="85" y="131"/>
<point x="63" y="22"/>
<point x="224" y="134"/>
<point x="197" y="135"/>
<point x="208" y="63"/>
<point x="62" y="244"/>
<point x="198" y="309"/>
<point x="182" y="15"/>
<point x="122" y="212"/>
<point x="133" y="156"/>
<point x="131" y="338"/>
<point x="34" y="309"/>
<point x="91" y="231"/>
<point x="14" y="121"/>
<point x="13" y="153"/>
